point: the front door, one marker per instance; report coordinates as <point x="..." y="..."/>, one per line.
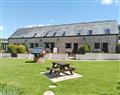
<point x="75" y="47"/>
<point x="52" y="46"/>
<point x="105" y="47"/>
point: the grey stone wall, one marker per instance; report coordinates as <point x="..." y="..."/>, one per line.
<point x="60" y="41"/>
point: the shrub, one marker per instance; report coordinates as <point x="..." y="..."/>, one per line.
<point x="84" y="48"/>
<point x="21" y="49"/>
<point x="12" y="48"/>
<point x="81" y="50"/>
<point x="87" y="48"/>
<point x="118" y="48"/>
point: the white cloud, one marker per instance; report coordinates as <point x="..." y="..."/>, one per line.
<point x="37" y="25"/>
<point x="34" y="25"/>
<point x="1" y="28"/>
<point x="106" y="2"/>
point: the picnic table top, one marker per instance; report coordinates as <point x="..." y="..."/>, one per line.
<point x="61" y="63"/>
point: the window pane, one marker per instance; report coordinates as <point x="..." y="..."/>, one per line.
<point x="31" y="45"/>
<point x="107" y="31"/>
<point x="36" y="44"/>
<point x="89" y="32"/>
<point x="46" y="45"/>
<point x="96" y="45"/>
<point x="68" y="45"/>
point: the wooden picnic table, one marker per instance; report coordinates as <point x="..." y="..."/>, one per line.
<point x="60" y="67"/>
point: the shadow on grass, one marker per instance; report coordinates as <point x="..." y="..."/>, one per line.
<point x="30" y="62"/>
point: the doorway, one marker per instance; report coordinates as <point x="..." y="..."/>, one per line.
<point x="75" y="47"/>
<point x="105" y="47"/>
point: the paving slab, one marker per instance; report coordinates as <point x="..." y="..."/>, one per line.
<point x="53" y="77"/>
<point x="48" y="93"/>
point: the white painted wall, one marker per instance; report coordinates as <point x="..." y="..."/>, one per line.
<point x="24" y="56"/>
<point x="98" y="56"/>
<point x="56" y="56"/>
<point x="87" y="56"/>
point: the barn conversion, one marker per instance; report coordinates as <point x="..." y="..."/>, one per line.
<point x="102" y="36"/>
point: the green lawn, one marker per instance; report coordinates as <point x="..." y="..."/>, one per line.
<point x="99" y="77"/>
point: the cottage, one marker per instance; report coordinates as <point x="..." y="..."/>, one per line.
<point x="102" y="36"/>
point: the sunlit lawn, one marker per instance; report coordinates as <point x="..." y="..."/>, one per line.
<point x="99" y="77"/>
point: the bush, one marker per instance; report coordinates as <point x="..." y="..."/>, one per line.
<point x="118" y="48"/>
<point x="12" y="49"/>
<point x="81" y="50"/>
<point x="87" y="48"/>
<point x="84" y="48"/>
<point x="21" y="49"/>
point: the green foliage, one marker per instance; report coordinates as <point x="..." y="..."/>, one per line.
<point x="21" y="49"/>
<point x="87" y="48"/>
<point x="10" y="90"/>
<point x="16" y="49"/>
<point x="84" y="48"/>
<point x="118" y="48"/>
<point x="12" y="48"/>
<point x="81" y="50"/>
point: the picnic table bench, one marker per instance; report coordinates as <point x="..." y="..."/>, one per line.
<point x="60" y="67"/>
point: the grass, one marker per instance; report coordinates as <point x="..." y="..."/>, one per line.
<point x="100" y="77"/>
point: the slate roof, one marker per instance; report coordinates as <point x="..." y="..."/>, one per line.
<point x="64" y="29"/>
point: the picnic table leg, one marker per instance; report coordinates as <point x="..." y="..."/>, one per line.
<point x="50" y="72"/>
<point x="71" y="72"/>
<point x="52" y="67"/>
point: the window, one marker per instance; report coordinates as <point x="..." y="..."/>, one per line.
<point x="54" y="34"/>
<point x="78" y="34"/>
<point x="107" y="31"/>
<point x="34" y="34"/>
<point x="64" y="33"/>
<point x="119" y="37"/>
<point x="46" y="34"/>
<point x="96" y="45"/>
<point x="31" y="45"/>
<point x="68" y="45"/>
<point x="36" y="44"/>
<point x="90" y="32"/>
<point x="47" y="45"/>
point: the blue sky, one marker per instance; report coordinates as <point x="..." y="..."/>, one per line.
<point x="26" y="13"/>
